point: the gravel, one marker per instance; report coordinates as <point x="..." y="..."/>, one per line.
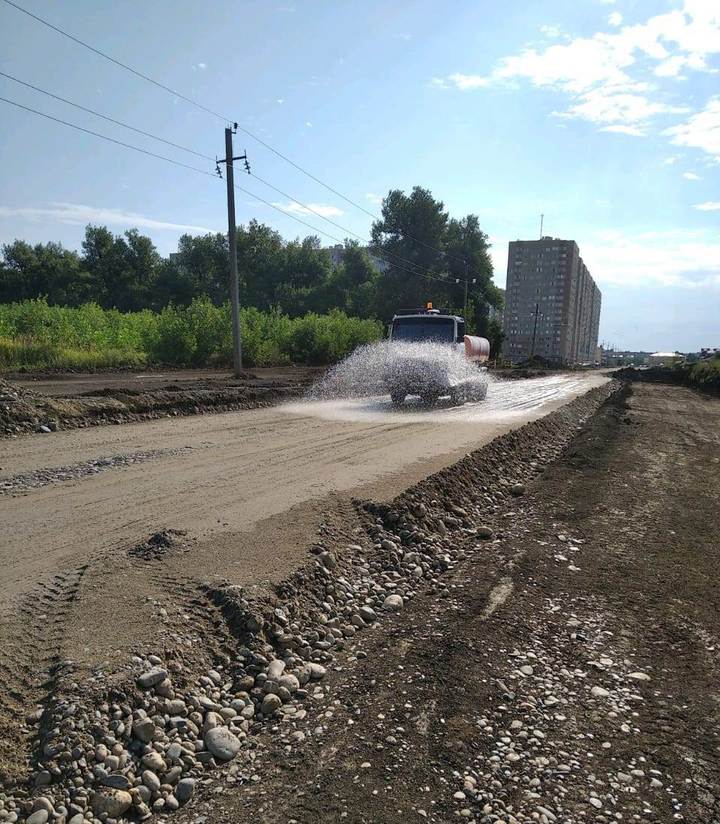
<point x="39" y="478"/>
<point x="160" y="732"/>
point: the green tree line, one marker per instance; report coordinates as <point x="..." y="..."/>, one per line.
<point x="426" y="252"/>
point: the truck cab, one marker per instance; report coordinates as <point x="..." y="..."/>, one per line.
<point x="432" y="357"/>
<point x="434" y="325"/>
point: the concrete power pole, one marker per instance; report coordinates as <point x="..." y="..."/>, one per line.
<point x="232" y="246"/>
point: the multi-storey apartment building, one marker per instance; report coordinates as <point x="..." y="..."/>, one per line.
<point x="552" y="305"/>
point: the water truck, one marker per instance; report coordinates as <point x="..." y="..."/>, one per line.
<point x="430" y="356"/>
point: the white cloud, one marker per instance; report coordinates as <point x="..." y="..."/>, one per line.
<point x="691" y="176"/>
<point x="620" y="129"/>
<point x="611" y="105"/>
<point x="669" y="161"/>
<point x="611" y="77"/>
<point x="373" y="198"/>
<point x="466" y="82"/>
<point x="701" y="130"/>
<point x="403" y="36"/>
<point x="312" y="208"/>
<point x="681" y="259"/>
<point x="708" y="206"/>
<point x="677" y="258"/>
<point x="551" y="31"/>
<point x="308" y="124"/>
<point x="280" y="100"/>
<point x="201" y="66"/>
<point x="77" y="214"/>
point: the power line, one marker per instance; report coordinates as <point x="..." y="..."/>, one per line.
<point x="419" y="273"/>
<point x="207" y="157"/>
<point x="186" y="149"/>
<point x="105" y="137"/>
<point x="192" y="169"/>
<point x="105" y="117"/>
<point x="115" y="61"/>
<point x="207" y="110"/>
<point x="333" y="222"/>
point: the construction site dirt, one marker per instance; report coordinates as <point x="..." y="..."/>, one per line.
<point x="561" y="663"/>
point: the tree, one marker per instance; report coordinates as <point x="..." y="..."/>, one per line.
<point x="262" y="263"/>
<point x="410" y="237"/>
<point x="46" y="270"/>
<point x="202" y="265"/>
<point x="122" y="268"/>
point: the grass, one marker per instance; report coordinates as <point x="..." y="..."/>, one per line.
<point x="35" y="335"/>
<point x="703" y="375"/>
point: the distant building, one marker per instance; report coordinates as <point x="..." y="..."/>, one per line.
<point x="623" y="357"/>
<point x="337" y="254"/>
<point x="552" y="305"/>
<point x="709" y="352"/>
<point x="665" y="358"/>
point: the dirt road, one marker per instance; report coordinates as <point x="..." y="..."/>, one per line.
<point x="568" y="672"/>
<point x="529" y="635"/>
<point x="249" y="489"/>
<point x="74" y="497"/>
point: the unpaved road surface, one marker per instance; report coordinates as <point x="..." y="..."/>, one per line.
<point x="529" y="635"/>
<point x="72" y="384"/>
<point x="249" y="489"/>
<point x="71" y="498"/>
<point x="569" y="672"/>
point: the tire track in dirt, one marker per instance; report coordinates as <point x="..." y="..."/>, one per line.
<point x="30" y="661"/>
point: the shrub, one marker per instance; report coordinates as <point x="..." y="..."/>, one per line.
<point x="36" y="335"/>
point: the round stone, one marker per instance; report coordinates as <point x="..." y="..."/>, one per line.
<point x="393" y="603"/>
<point x="222" y="743"/>
<point x="271" y="703"/>
<point x="185" y="790"/>
<point x="112" y="803"/>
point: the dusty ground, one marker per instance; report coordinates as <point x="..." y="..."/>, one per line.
<point x="423" y="707"/>
<point x="42" y="402"/>
<point x="73" y="384"/>
<point x="248" y="488"/>
<point x="604" y="576"/>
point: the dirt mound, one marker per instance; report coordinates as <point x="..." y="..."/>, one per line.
<point x="159" y="544"/>
<point x="22" y="410"/>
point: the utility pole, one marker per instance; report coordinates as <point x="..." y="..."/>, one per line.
<point x="467" y="283"/>
<point x="466" y="291"/>
<point x="532" y="348"/>
<point x="232" y="244"/>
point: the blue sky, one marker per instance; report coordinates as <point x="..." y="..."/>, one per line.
<point x="605" y="116"/>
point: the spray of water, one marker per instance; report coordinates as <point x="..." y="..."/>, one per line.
<point x="387" y="366"/>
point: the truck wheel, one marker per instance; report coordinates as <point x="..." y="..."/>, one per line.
<point x="457" y="396"/>
<point x="397" y="398"/>
<point x="428" y="400"/>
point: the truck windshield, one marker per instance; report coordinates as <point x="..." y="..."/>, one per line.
<point x="428" y="328"/>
